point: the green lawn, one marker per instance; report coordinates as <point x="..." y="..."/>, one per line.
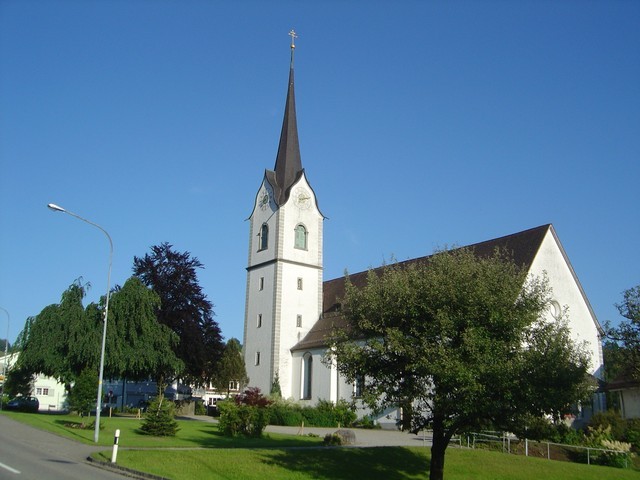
<point x="201" y="452"/>
<point x="192" y="433"/>
<point x="388" y="463"/>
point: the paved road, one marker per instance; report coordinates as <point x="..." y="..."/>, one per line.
<point x="27" y="453"/>
<point x="364" y="438"/>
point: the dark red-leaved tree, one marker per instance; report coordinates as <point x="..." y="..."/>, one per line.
<point x="184" y="308"/>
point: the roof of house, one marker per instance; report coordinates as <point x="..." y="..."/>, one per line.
<point x="523" y="246"/>
<point x="624" y="381"/>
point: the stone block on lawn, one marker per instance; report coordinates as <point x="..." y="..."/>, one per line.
<point x="348" y="437"/>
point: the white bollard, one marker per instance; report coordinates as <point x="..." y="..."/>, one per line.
<point x="114" y="455"/>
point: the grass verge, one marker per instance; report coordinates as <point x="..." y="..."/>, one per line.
<point x="388" y="463"/>
<point x="192" y="433"/>
<point x="199" y="451"/>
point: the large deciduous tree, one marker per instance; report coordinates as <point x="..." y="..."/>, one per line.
<point x="184" y="308"/>
<point x="459" y="342"/>
<point x="627" y="335"/>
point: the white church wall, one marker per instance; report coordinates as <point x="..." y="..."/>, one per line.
<point x="566" y="292"/>
<point x="327" y="384"/>
<point x="259" y="323"/>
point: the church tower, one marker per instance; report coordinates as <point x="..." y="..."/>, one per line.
<point x="284" y="274"/>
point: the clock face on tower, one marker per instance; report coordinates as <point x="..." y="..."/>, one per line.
<point x="301" y="198"/>
<point x="263" y="200"/>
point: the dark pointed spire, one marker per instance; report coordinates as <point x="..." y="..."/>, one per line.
<point x="288" y="162"/>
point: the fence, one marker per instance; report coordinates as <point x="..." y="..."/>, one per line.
<point x="552" y="451"/>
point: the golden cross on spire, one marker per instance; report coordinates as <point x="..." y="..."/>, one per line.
<point x="293" y="36"/>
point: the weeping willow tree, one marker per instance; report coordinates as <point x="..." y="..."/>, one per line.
<point x="64" y="339"/>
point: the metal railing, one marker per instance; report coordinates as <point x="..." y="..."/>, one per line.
<point x="511" y="443"/>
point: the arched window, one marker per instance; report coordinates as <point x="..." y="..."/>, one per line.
<point x="307" y="375"/>
<point x="263" y="240"/>
<point x="301" y="237"/>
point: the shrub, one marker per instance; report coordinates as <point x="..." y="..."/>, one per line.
<point x="326" y="414"/>
<point x="332" y="440"/>
<point x="620" y="456"/>
<point x="562" y="433"/>
<point x="248" y="415"/>
<point x="632" y="433"/>
<point x="200" y="409"/>
<point x="611" y="419"/>
<point x="159" y="420"/>
<point x="367" y="423"/>
<point x="248" y="420"/>
<point x="601" y="437"/>
<point x="287" y="414"/>
<point x="253" y="397"/>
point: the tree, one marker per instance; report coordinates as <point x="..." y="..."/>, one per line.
<point x="159" y="420"/>
<point x="140" y="347"/>
<point x="627" y="334"/>
<point x="52" y="343"/>
<point x="231" y="367"/>
<point x="458" y="342"/>
<point x="82" y="397"/>
<point x="184" y="309"/>
<point x="276" y="390"/>
<point x="64" y="339"/>
<point x="18" y="382"/>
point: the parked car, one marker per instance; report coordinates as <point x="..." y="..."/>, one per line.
<point x="24" y="404"/>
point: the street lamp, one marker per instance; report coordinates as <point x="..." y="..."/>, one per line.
<point x="56" y="208"/>
<point x="6" y="349"/>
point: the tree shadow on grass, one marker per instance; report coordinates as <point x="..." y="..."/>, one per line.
<point x="213" y="438"/>
<point x="75" y="428"/>
<point x="386" y="463"/>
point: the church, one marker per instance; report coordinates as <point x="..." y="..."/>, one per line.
<point x="290" y="309"/>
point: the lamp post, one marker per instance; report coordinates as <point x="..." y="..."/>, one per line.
<point x="56" y="208"/>
<point x="6" y="350"/>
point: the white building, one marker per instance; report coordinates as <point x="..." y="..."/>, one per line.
<point x="50" y="393"/>
<point x="290" y="310"/>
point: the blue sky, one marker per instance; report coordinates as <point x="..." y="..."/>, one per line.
<point x="421" y="124"/>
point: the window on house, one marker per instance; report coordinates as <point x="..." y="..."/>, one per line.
<point x="299" y="321"/>
<point x="257" y="358"/>
<point x="233" y="385"/>
<point x="45" y="391"/>
<point x="259" y="320"/>
<point x="261" y="283"/>
<point x="300" y="237"/>
<point x="307" y="375"/>
<point x="263" y="240"/>
<point x="38" y="391"/>
<point x="299" y="283"/>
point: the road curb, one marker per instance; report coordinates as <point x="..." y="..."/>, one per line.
<point x="129" y="472"/>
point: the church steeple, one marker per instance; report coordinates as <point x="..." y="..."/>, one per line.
<point x="284" y="273"/>
<point x="288" y="163"/>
